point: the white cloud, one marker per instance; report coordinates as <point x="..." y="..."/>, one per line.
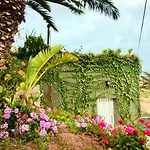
<point x="130" y="3"/>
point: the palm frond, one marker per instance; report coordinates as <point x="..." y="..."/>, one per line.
<point x="44" y="4"/>
<point x="145" y="80"/>
<point x="60" y="59"/>
<point x="73" y="6"/>
<point x="103" y="6"/>
<point x="147" y="74"/>
<point x="45" y="14"/>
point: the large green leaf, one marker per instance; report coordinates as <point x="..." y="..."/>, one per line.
<point x="43" y="61"/>
<point x="61" y="58"/>
<point x="37" y="63"/>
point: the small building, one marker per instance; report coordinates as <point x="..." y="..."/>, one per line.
<point x="106" y="84"/>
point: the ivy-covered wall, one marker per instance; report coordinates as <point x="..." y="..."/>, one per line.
<point x="109" y="74"/>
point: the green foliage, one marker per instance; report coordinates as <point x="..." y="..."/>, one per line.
<point x="39" y="65"/>
<point x="11" y="79"/>
<point x="32" y="46"/>
<point x="100" y="76"/>
<point x="43" y="142"/>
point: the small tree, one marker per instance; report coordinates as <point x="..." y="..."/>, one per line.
<point x="32" y="46"/>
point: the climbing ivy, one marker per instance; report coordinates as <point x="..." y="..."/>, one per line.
<point x="109" y="74"/>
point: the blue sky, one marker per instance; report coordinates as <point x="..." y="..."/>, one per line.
<point x="95" y="32"/>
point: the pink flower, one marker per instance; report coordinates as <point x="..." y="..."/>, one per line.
<point x="42" y="110"/>
<point x="83" y="125"/>
<point x="43" y="132"/>
<point x="1" y="135"/>
<point x="16" y="110"/>
<point x="4" y="126"/>
<point x="47" y="125"/>
<point x="34" y="116"/>
<point x="81" y="120"/>
<point x="54" y="122"/>
<point x="6" y="116"/>
<point x="121" y="122"/>
<point x="44" y="116"/>
<point x="55" y="129"/>
<point x="93" y="121"/>
<point x="102" y="124"/>
<point x="147" y="132"/>
<point x="87" y="119"/>
<point x="20" y="92"/>
<point x="7" y="110"/>
<point x="49" y="110"/>
<point x="42" y="124"/>
<point x="18" y="115"/>
<point x="109" y="126"/>
<point x="4" y="134"/>
<point x="97" y="119"/>
<point x="129" y="130"/>
<point x="28" y="120"/>
<point x="24" y="128"/>
<point x="78" y="124"/>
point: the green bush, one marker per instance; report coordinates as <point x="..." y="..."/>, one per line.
<point x="11" y="78"/>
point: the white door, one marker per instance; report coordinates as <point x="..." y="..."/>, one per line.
<point x="106" y="110"/>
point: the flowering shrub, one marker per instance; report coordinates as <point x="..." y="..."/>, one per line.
<point x="126" y="136"/>
<point x="30" y="125"/>
<point x="38" y="123"/>
<point x="123" y="136"/>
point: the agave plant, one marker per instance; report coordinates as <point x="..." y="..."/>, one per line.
<point x="39" y="65"/>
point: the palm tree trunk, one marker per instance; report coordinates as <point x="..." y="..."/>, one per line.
<point x="11" y="15"/>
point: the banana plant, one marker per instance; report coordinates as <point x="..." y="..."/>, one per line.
<point x="40" y="64"/>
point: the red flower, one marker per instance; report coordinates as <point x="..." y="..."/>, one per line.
<point x="142" y="141"/>
<point x="75" y="116"/>
<point x="147" y="124"/>
<point x="86" y="115"/>
<point x="121" y="122"/>
<point x="141" y="120"/>
<point x="130" y="125"/>
<point x="105" y="141"/>
<point x="68" y="116"/>
<point x="101" y="132"/>
<point x="113" y="131"/>
<point x="147" y="132"/>
<point x="129" y="130"/>
<point x="102" y="124"/>
<point x="135" y="132"/>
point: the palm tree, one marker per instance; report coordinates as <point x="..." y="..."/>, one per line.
<point x="145" y="81"/>
<point x="76" y="6"/>
<point x="11" y="15"/>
